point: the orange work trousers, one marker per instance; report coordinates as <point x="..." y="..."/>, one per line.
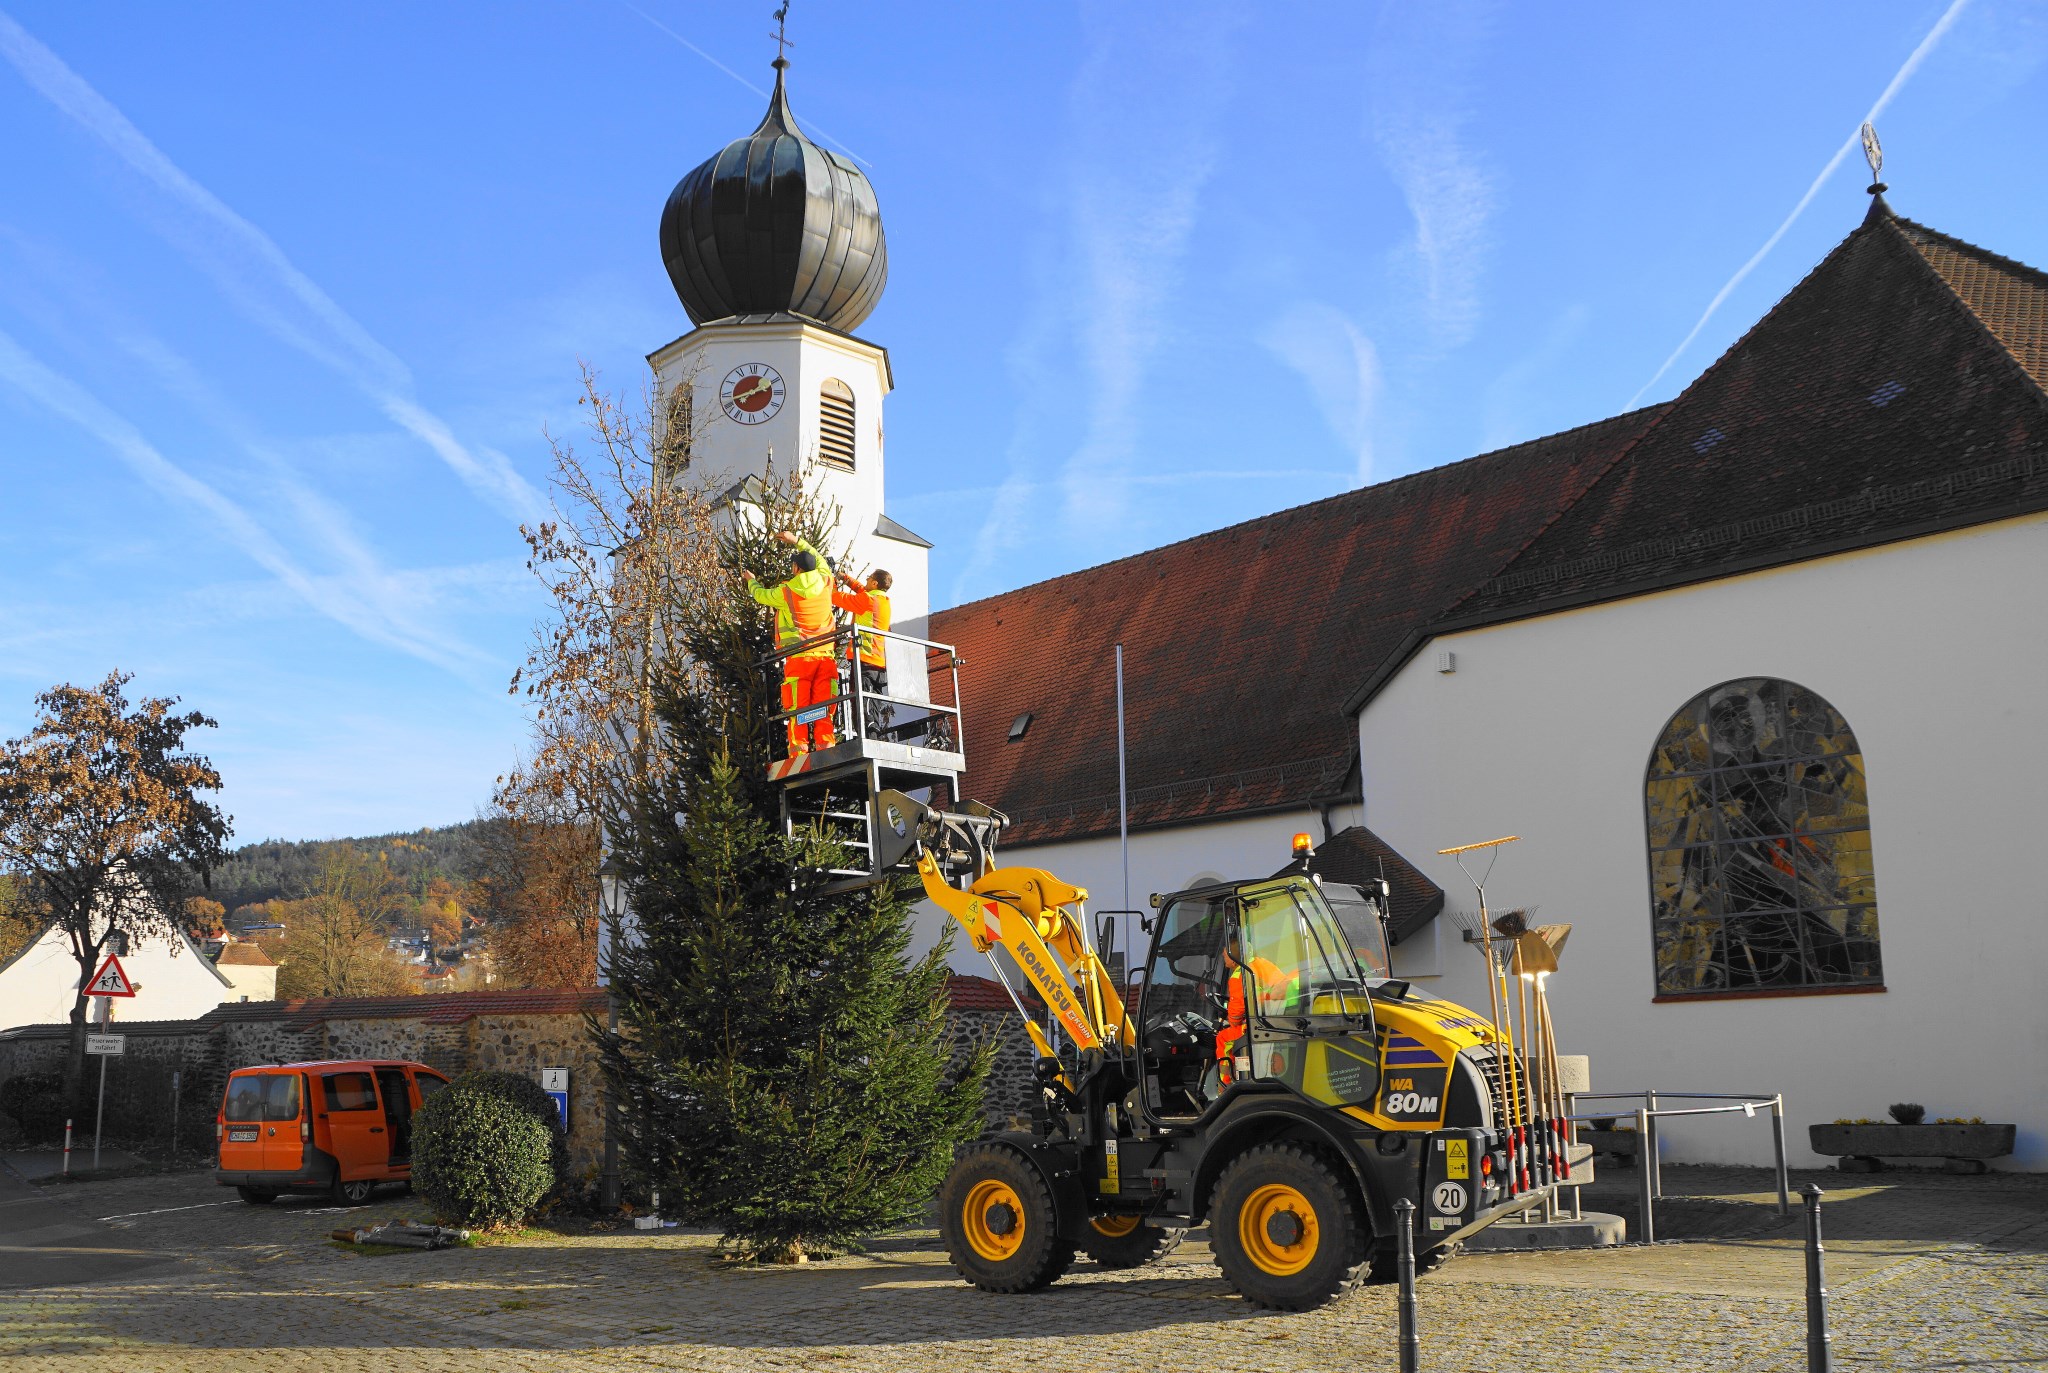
<point x="805" y="682"/>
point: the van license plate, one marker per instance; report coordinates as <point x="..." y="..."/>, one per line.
<point x="242" y="1136"/>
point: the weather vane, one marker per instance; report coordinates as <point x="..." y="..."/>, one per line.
<point x="782" y="39"/>
<point x="1872" y="153"/>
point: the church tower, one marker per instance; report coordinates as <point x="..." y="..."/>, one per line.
<point x="775" y="247"/>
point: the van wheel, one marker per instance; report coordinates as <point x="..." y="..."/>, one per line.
<point x="355" y="1193"/>
<point x="257" y="1196"/>
<point x="1000" y="1223"/>
<point x="1127" y="1242"/>
<point x="1286" y="1230"/>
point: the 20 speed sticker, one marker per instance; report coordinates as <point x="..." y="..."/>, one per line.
<point x="1448" y="1197"/>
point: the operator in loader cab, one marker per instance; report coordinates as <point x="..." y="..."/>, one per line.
<point x="1271" y="986"/>
<point x="803" y="610"/>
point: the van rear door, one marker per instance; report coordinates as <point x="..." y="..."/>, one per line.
<point x="355" y="1124"/>
<point x="262" y="1111"/>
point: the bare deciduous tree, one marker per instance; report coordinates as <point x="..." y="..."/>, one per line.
<point x="632" y="534"/>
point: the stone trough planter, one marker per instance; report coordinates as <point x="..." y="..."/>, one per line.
<point x="1862" y="1148"/>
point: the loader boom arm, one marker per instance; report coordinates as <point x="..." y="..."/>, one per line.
<point x="1037" y="919"/>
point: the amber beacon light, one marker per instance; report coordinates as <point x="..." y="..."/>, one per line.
<point x="1302" y="847"/>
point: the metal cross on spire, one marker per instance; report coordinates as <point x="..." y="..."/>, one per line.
<point x="780" y="35"/>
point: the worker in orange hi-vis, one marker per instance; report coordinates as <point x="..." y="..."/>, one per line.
<point x="803" y="610"/>
<point x="1268" y="976"/>
<point x="868" y="603"/>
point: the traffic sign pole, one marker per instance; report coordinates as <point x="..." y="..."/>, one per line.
<point x="99" y="1113"/>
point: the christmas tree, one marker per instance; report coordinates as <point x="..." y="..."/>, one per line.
<point x="781" y="1071"/>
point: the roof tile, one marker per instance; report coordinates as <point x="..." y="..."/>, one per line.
<point x="1239" y="645"/>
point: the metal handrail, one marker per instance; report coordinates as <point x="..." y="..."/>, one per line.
<point x="1650" y="1169"/>
<point x="859" y="696"/>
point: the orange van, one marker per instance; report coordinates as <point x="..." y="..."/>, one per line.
<point x="339" y="1127"/>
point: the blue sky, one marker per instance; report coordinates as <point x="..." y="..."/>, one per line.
<point x="289" y="293"/>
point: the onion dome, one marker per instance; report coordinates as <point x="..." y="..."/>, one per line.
<point x="775" y="225"/>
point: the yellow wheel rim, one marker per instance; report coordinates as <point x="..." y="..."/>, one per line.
<point x="1277" y="1228"/>
<point x="982" y="1216"/>
<point x="1114" y="1227"/>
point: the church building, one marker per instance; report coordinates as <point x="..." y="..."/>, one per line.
<point x="1748" y="673"/>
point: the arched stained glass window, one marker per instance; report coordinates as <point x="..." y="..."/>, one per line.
<point x="1759" y="825"/>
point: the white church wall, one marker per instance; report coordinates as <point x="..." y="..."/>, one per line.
<point x="1934" y="652"/>
<point x="1162" y="860"/>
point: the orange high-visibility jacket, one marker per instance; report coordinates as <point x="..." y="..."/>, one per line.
<point x="870" y="610"/>
<point x="802" y="605"/>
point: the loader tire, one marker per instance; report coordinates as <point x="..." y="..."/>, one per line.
<point x="1000" y="1222"/>
<point x="1127" y="1242"/>
<point x="1287" y="1230"/>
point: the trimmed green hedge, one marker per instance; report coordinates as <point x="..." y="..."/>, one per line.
<point x="486" y="1151"/>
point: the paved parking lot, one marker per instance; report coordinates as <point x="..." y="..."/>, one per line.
<point x="1927" y="1272"/>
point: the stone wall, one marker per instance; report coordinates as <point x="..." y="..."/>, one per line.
<point x="515" y="1032"/>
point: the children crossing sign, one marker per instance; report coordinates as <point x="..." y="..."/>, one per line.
<point x="110" y="980"/>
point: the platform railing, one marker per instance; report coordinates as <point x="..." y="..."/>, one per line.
<point x="1650" y="1172"/>
<point x="937" y="724"/>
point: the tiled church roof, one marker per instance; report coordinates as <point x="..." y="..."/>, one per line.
<point x="1239" y="645"/>
<point x="1895" y="392"/>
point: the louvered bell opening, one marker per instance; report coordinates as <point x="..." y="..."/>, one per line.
<point x="835" y="425"/>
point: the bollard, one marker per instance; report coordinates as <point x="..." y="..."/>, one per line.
<point x="1644" y="1187"/>
<point x="1404" y="1249"/>
<point x="1778" y="1141"/>
<point x="1651" y="1157"/>
<point x="1820" y="1352"/>
<point x="67" y="1146"/>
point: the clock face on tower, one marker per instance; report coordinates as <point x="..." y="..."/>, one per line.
<point x="751" y="393"/>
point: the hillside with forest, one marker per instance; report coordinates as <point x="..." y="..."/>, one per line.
<point x="285" y="869"/>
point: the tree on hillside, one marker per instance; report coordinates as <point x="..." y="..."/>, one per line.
<point x="337" y="937"/>
<point x="102" y="821"/>
<point x="784" y="1074"/>
<point x="536" y="878"/>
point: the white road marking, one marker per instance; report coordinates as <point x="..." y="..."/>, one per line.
<point x="130" y="1215"/>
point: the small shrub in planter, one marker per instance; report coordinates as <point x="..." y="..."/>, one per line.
<point x="35" y="1103"/>
<point x="1907" y="1112"/>
<point x="484" y="1152"/>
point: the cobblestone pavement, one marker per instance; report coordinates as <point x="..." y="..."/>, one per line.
<point x="1927" y="1272"/>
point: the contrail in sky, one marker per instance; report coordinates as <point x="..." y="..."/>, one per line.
<point x="813" y="128"/>
<point x="1919" y="54"/>
<point x="65" y="398"/>
<point x="347" y="346"/>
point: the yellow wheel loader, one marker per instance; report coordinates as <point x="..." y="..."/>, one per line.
<point x="1338" y="1090"/>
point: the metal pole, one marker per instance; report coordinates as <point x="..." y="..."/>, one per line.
<point x="174" y="1111"/>
<point x="1778" y="1139"/>
<point x="1571" y="1133"/>
<point x="67" y="1146"/>
<point x="99" y="1114"/>
<point x="1647" y="1222"/>
<point x="1123" y="796"/>
<point x="1820" y="1352"/>
<point x="1404" y="1249"/>
<point x="1650" y="1151"/>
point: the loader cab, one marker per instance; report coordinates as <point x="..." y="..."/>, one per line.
<point x="1307" y="1017"/>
